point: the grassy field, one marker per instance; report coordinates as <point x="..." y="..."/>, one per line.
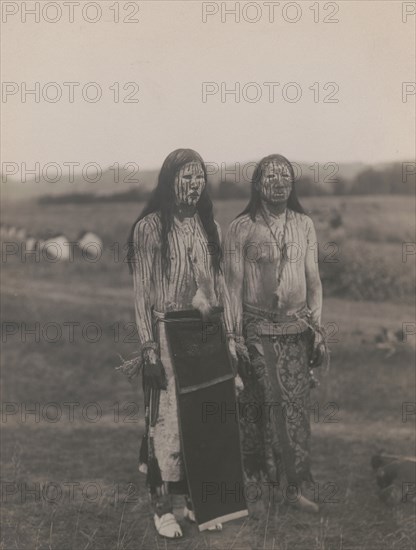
<point x="357" y="410"/>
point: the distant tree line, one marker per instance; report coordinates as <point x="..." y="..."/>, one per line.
<point x="135" y="194"/>
<point x="393" y="179"/>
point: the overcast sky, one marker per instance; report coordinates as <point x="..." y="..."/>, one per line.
<point x="170" y="52"/>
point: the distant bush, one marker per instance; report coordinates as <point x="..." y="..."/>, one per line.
<point x="363" y="273"/>
<point x="67" y="198"/>
<point x="391" y="180"/>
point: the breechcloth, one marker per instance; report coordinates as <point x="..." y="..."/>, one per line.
<point x="274" y="406"/>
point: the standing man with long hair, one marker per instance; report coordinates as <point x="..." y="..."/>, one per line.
<point x="276" y="296"/>
<point x="175" y="258"/>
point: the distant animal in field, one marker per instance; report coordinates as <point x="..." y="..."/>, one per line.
<point x="31" y="244"/>
<point x="395" y="477"/>
<point x="90" y="244"/>
<point x="57" y="248"/>
<point x="335" y="220"/>
<point x="388" y="340"/>
<point x="10" y="231"/>
<point x="20" y="234"/>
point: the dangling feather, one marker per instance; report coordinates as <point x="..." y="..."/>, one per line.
<point x="144" y="447"/>
<point x="201" y="303"/>
<point x="131" y="367"/>
<point x="204" y="298"/>
<point x="154" y="477"/>
<point x="144" y="455"/>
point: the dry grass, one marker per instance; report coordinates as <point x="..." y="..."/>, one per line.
<point x="367" y="387"/>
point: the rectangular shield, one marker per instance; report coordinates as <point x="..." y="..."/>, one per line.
<point x="208" y="416"/>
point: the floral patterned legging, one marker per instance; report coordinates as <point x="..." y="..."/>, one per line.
<point x="274" y="408"/>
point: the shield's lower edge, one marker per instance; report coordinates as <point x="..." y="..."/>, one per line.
<point x="223" y="519"/>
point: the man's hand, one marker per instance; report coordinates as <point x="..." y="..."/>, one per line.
<point x="243" y="365"/>
<point x="233" y="354"/>
<point x="154" y="376"/>
<point x="319" y="351"/>
<point x="232" y="347"/>
<point x="239" y="385"/>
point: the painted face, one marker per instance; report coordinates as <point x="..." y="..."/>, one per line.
<point x="189" y="184"/>
<point x="276" y="182"/>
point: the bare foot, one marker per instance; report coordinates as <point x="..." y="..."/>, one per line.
<point x="305" y="505"/>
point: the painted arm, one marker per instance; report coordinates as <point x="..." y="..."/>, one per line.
<point x="234" y="275"/>
<point x="313" y="280"/>
<point x="224" y="294"/>
<point x="142" y="279"/>
<point x="153" y="372"/>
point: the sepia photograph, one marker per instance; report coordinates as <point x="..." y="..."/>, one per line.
<point x="208" y="275"/>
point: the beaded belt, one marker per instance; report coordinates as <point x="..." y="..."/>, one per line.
<point x="270" y="323"/>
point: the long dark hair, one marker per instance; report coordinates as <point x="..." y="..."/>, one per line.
<point x="255" y="200"/>
<point x="162" y="201"/>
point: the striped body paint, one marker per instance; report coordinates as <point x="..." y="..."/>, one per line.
<point x="191" y="260"/>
